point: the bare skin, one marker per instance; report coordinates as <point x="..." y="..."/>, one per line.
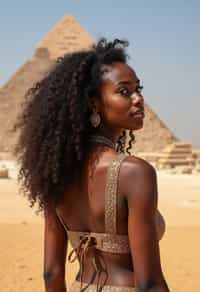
<point x="83" y="205"/>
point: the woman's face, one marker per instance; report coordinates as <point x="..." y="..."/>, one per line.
<point x="121" y="105"/>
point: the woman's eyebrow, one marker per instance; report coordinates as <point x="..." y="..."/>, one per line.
<point x="127" y="82"/>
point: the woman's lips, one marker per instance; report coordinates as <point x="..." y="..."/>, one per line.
<point x="138" y="114"/>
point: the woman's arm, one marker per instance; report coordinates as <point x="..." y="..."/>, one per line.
<point x="55" y="249"/>
<point x="141" y="192"/>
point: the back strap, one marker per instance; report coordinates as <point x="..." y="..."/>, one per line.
<point x="117" y="243"/>
<point x="61" y="220"/>
<point x="111" y="192"/>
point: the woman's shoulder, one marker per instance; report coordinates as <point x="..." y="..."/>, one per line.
<point x="137" y="176"/>
<point x="134" y="165"/>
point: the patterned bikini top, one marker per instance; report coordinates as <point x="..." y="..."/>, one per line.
<point x="109" y="241"/>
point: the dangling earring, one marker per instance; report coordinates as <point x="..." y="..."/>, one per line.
<point x="95" y="119"/>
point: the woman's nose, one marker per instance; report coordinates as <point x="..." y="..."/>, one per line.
<point x="137" y="98"/>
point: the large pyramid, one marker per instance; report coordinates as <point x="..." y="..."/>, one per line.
<point x="67" y="36"/>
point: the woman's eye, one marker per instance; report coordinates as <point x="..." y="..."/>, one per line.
<point x="139" y="89"/>
<point x="124" y="91"/>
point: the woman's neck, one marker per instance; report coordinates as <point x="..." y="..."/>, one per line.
<point x="106" y="132"/>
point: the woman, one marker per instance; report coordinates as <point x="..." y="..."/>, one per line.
<point x="71" y="149"/>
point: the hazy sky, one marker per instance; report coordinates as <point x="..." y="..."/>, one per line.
<point x="164" y="41"/>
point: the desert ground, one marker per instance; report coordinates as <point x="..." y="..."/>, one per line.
<point x="21" y="244"/>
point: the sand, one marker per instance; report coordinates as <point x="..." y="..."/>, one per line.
<point x="21" y="243"/>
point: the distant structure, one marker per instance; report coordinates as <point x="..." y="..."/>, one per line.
<point x="67" y="36"/>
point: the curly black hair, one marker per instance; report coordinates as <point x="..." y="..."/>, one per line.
<point x="54" y="123"/>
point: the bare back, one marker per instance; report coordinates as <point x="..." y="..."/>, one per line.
<point x="87" y="201"/>
<point x="85" y="209"/>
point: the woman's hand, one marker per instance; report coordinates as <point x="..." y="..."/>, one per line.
<point x="55" y="249"/>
